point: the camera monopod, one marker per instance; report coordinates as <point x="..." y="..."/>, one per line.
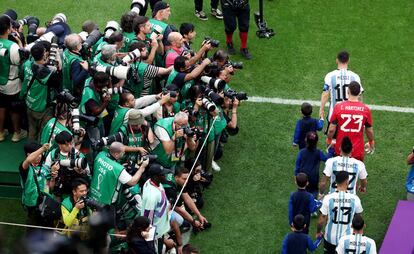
<point x="264" y="31"/>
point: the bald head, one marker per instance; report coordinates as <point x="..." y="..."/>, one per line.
<point x="73" y="42"/>
<point x="175" y="39"/>
<point x="116" y="149"/>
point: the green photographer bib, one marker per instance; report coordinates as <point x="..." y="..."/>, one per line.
<point x="136" y="88"/>
<point x="38" y="98"/>
<point x="68" y="59"/>
<point x="30" y="193"/>
<point x="47" y="130"/>
<point x="119" y="119"/>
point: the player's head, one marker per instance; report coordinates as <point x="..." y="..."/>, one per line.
<point x="311" y="139"/>
<point x="346" y="145"/>
<point x="299" y="222"/>
<point x="306" y="109"/>
<point x="354" y="88"/>
<point x="358" y="222"/>
<point x="301" y="180"/>
<point x="343" y="57"/>
<point x="341" y="178"/>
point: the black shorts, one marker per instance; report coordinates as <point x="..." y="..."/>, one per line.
<point x="9" y="101"/>
<point x="233" y="16"/>
<point x="328" y="247"/>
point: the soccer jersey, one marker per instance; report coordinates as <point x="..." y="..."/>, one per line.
<point x="337" y="82"/>
<point x="340" y="207"/>
<point x="351" y="117"/>
<point x="356" y="244"/>
<point x="354" y="167"/>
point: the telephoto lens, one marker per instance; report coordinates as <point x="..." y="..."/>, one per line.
<point x="54" y="51"/>
<point x="207" y="104"/>
<point x="138" y="6"/>
<point x="131" y="57"/>
<point x="119" y="72"/>
<point x="75" y="120"/>
<point x="214" y="83"/>
<point x="74" y="163"/>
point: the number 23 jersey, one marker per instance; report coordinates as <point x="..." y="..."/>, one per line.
<point x="351" y="117"/>
<point x="340" y="207"/>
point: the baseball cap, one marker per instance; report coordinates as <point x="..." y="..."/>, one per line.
<point x="156" y="169"/>
<point x="135" y="117"/>
<point x="159" y="6"/>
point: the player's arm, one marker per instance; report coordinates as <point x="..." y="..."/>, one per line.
<point x="324" y="100"/>
<point x="321" y="223"/>
<point x="322" y="184"/>
<point x="331" y="131"/>
<point x="363" y="186"/>
<point x="410" y="158"/>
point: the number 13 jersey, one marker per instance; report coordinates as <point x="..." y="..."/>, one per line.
<point x="351" y="117"/>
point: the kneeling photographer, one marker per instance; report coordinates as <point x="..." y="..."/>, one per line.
<point x="67" y="163"/>
<point x="41" y="80"/>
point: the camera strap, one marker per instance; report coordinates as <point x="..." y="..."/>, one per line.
<point x="28" y="87"/>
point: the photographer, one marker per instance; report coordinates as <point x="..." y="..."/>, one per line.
<point x="152" y="41"/>
<point x="171" y="142"/>
<point x="177" y="49"/>
<point x="187" y="30"/>
<point x="67" y="162"/>
<point x="75" y="213"/>
<point x="146" y="72"/>
<point x="109" y="175"/>
<point x="10" y="84"/>
<point x="75" y="69"/>
<point x="160" y="13"/>
<point x="182" y="76"/>
<point x="94" y="102"/>
<point x="41" y="80"/>
<point x="30" y="169"/>
<point x="171" y="106"/>
<point x="127" y="21"/>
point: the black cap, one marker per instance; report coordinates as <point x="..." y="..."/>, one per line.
<point x="156" y="169"/>
<point x="159" y="6"/>
<point x="11" y="14"/>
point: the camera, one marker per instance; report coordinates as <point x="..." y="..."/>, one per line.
<point x="132" y="169"/>
<point x="92" y="203"/>
<point x="188" y="51"/>
<point x="111" y="27"/>
<point x="131" y="56"/>
<point x="66" y="97"/>
<point x="137" y="6"/>
<point x="77" y="117"/>
<point x="207" y="104"/>
<point x="74" y="163"/>
<point x="45" y="37"/>
<point x="217" y="99"/>
<point x="119" y="137"/>
<point x="213" y="43"/>
<point x="32" y="25"/>
<point x="235" y="65"/>
<point x="91" y="40"/>
<point x="241" y="96"/>
<point x="157" y="31"/>
<point x="119" y="72"/>
<point x="190" y="132"/>
<point x="215" y="83"/>
<point x="173" y="94"/>
<point x="54" y="51"/>
<point x="111" y="91"/>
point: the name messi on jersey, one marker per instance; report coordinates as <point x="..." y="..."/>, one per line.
<point x="343" y="77"/>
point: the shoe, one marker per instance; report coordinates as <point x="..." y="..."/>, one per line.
<point x="217" y="13"/>
<point x="215" y="166"/>
<point x="201" y="15"/>
<point x="245" y="53"/>
<point x="230" y="49"/>
<point x="19" y="136"/>
<point x="3" y="135"/>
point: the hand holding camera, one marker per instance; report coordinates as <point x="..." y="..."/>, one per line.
<point x="80" y="204"/>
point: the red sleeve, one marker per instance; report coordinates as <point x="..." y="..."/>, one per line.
<point x="368" y="122"/>
<point x="334" y="117"/>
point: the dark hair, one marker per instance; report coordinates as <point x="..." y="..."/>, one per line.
<point x="306" y="109"/>
<point x="182" y="171"/>
<point x="116" y="36"/>
<point x="194" y="92"/>
<point x="124" y="98"/>
<point x="186" y="28"/>
<point x="134" y="230"/>
<point x="358" y="222"/>
<point x="311" y="140"/>
<point x="343" y="56"/>
<point x="179" y="63"/>
<point x="63" y="138"/>
<point x="5" y="24"/>
<point x="220" y="55"/>
<point x="127" y="21"/>
<point x="341" y="177"/>
<point x="346" y="145"/>
<point x="38" y="50"/>
<point x="77" y="182"/>
<point x="299" y="222"/>
<point x="136" y="45"/>
<point x="100" y="79"/>
<point x="189" y="249"/>
<point x="354" y="88"/>
<point x="31" y="147"/>
<point x="88" y="26"/>
<point x="301" y="180"/>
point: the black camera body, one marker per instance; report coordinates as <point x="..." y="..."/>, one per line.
<point x="233" y="94"/>
<point x="173" y="94"/>
<point x="92" y="203"/>
<point x="132" y="169"/>
<point x="213" y="43"/>
<point x="65" y="97"/>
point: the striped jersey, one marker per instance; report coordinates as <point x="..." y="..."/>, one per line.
<point x="336" y="82"/>
<point x="340" y="208"/>
<point x="356" y="244"/>
<point x="354" y="167"/>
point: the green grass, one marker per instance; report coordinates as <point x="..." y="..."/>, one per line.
<point x="247" y="202"/>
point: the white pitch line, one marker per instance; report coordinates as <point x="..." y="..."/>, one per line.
<point x="318" y="103"/>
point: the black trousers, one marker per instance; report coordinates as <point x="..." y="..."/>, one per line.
<point x="199" y="4"/>
<point x="233" y="16"/>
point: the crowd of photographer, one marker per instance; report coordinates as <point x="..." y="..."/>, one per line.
<point x="125" y="123"/>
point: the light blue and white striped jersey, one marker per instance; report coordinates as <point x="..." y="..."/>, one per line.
<point x="336" y="82"/>
<point x="354" y="167"/>
<point x="340" y="207"/>
<point x="356" y="244"/>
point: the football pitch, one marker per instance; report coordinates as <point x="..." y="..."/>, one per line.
<point x="248" y="200"/>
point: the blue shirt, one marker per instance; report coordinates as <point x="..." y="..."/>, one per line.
<point x="410" y="180"/>
<point x="302" y="202"/>
<point x="304" y="126"/>
<point x="298" y="243"/>
<point x="308" y="162"/>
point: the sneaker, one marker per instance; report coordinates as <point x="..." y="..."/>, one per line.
<point x="217" y="13"/>
<point x="201" y="15"/>
<point x="230" y="49"/>
<point x="245" y="53"/>
<point x="215" y="166"/>
<point x="19" y="136"/>
<point x="3" y="135"/>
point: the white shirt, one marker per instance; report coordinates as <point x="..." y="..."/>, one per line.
<point x="356" y="244"/>
<point x="14" y="85"/>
